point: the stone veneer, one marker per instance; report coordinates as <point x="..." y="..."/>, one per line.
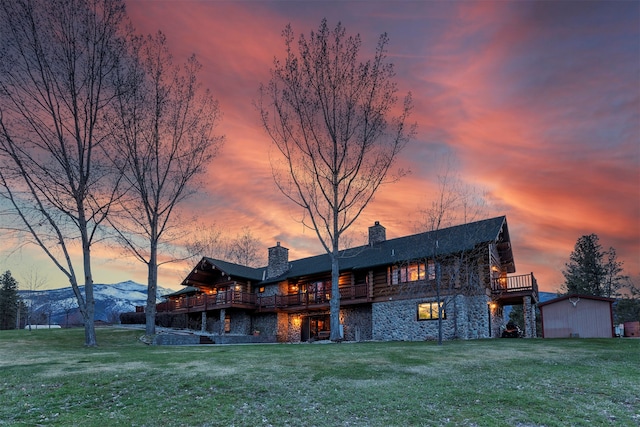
<point x="397" y="320"/>
<point x="278" y="261"/>
<point x="356" y="323"/>
<point x="377" y="234"/>
<point x="529" y="310"/>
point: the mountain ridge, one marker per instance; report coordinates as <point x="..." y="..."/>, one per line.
<point x="59" y="306"/>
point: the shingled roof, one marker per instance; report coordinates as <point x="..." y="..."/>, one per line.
<point x="417" y="246"/>
<point x="423" y="245"/>
<point x="236" y="270"/>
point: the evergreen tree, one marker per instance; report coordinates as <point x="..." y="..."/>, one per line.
<point x="8" y="301"/>
<point x="592" y="271"/>
<point x="627" y="309"/>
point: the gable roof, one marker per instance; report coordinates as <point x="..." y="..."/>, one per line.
<point x="423" y="245"/>
<point x="236" y="270"/>
<point x="187" y="290"/>
<point x="449" y="240"/>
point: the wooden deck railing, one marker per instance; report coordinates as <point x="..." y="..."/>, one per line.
<point x="521" y="283"/>
<point x="230" y="298"/>
<point x="305" y="299"/>
<point x="205" y="302"/>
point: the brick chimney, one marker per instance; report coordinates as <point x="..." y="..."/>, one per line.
<point x="377" y="234"/>
<point x="278" y="261"/>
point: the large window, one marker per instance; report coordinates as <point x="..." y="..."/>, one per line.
<point x="429" y="311"/>
<point x="413" y="272"/>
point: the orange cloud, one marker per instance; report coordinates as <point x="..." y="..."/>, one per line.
<point x="537" y="101"/>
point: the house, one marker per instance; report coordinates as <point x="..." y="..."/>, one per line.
<point x="389" y="290"/>
<point x="578" y="316"/>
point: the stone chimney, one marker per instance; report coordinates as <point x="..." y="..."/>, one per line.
<point x="377" y="234"/>
<point x="278" y="261"/>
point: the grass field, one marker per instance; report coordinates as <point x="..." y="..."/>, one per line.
<point x="49" y="378"/>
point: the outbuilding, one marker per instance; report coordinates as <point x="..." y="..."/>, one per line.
<point x="577" y="316"/>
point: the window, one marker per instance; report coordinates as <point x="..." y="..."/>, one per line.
<point x="412" y="272"/>
<point x="429" y="311"/>
<point x="431" y="268"/>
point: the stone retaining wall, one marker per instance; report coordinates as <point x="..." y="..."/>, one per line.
<point x="194" y="339"/>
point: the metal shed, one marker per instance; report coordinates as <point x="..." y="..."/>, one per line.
<point x="577" y="316"/>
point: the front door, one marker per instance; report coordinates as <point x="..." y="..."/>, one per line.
<point x="315" y="328"/>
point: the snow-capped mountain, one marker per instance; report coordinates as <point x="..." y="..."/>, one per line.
<point x="111" y="300"/>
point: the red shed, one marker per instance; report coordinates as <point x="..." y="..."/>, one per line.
<point x="583" y="316"/>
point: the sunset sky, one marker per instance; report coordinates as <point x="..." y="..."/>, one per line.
<point x="536" y="102"/>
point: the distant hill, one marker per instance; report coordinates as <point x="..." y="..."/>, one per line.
<point x="111" y="300"/>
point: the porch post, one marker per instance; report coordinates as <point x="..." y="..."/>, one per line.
<point x="222" y="317"/>
<point x="203" y="327"/>
<point x="529" y="312"/>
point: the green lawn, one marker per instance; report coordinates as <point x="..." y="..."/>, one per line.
<point x="49" y="378"/>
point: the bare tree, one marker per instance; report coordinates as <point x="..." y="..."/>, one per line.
<point x="330" y="118"/>
<point x="32" y="284"/>
<point x="56" y="65"/>
<point x="163" y="126"/>
<point x="245" y="249"/>
<point x="206" y="240"/>
<point x="210" y="241"/>
<point x="456" y="202"/>
<point x="454" y="274"/>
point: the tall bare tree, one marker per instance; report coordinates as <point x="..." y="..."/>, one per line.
<point x="206" y="240"/>
<point x="245" y="249"/>
<point x="164" y="128"/>
<point x="210" y="241"/>
<point x="331" y="119"/>
<point x="32" y="285"/>
<point x="56" y="63"/>
<point x="454" y="203"/>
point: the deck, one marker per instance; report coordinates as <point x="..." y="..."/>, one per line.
<point x="510" y="290"/>
<point x="355" y="294"/>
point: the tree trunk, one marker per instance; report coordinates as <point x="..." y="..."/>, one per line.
<point x="439" y="300"/>
<point x="88" y="315"/>
<point x="335" y="297"/>
<point x="152" y="290"/>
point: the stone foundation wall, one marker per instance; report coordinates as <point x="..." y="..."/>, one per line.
<point x="242" y="323"/>
<point x="357" y="323"/>
<point x="266" y="323"/>
<point x="529" y="310"/>
<point x="467" y="317"/>
<point x="473" y="317"/>
<point x="294" y="324"/>
<point x="497" y="321"/>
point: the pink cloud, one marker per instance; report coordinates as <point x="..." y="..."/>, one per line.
<point x="538" y="102"/>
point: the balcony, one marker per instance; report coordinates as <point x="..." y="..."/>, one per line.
<point x="354" y="294"/>
<point x="205" y="302"/>
<point x="511" y="289"/>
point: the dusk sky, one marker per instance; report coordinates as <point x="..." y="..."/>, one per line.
<point x="536" y="102"/>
